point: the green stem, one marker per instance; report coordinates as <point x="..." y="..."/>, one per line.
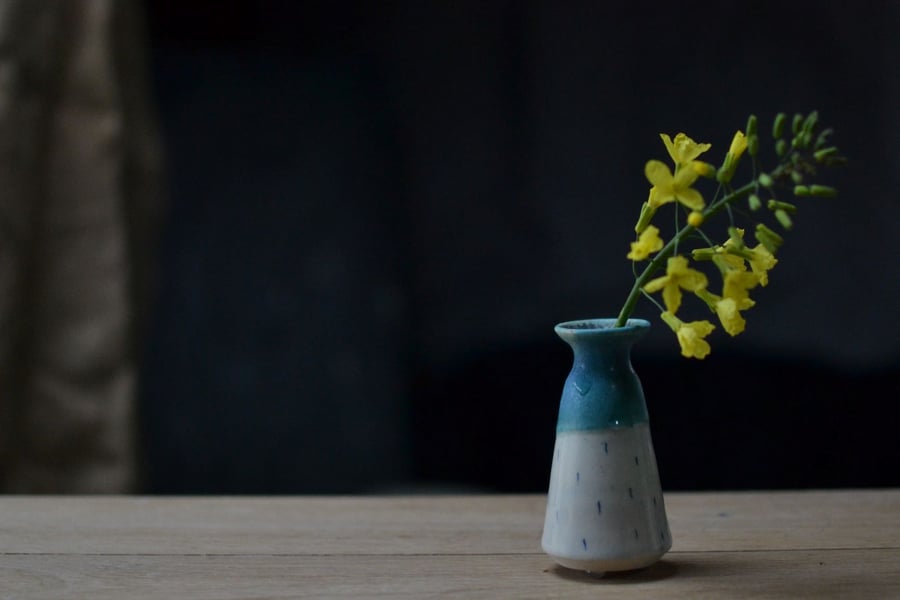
<point x="663" y="255"/>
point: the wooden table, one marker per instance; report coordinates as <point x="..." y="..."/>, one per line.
<point x="737" y="545"/>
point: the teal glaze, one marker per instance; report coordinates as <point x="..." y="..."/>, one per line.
<point x="602" y="390"/>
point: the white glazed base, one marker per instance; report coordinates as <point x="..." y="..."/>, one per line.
<point x="605" y="509"/>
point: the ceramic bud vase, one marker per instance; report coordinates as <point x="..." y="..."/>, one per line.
<point x="605" y="509"/>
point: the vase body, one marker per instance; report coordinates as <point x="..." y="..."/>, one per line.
<point x="605" y="509"/>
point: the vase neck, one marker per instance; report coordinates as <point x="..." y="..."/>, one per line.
<point x="602" y="389"/>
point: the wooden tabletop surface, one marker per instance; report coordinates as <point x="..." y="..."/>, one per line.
<point x="814" y="544"/>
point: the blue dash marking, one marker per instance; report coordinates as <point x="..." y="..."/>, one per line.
<point x="584" y="543"/>
<point x="599" y="507"/>
<point x="654" y="500"/>
<point x="605" y="448"/>
<point x="636" y="534"/>
<point x="636" y="461"/>
<point x="662" y="535"/>
<point x="577" y="476"/>
<point x="630" y="493"/>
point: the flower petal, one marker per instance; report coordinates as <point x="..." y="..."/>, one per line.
<point x="690" y="198"/>
<point x="658" y="174"/>
<point x="692" y="280"/>
<point x="670" y="147"/>
<point x="654" y="285"/>
<point x="672" y="297"/>
<point x="685" y="176"/>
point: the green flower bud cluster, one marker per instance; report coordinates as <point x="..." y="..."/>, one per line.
<point x="799" y="156"/>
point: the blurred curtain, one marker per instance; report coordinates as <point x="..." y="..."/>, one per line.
<point x="79" y="204"/>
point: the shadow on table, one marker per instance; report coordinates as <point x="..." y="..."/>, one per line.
<point x="663" y="569"/>
<point x="775" y="574"/>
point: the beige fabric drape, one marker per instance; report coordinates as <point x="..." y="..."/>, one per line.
<point x="79" y="200"/>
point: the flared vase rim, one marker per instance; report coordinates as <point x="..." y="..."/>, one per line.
<point x="595" y="326"/>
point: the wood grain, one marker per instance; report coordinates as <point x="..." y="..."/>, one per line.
<point x="856" y="574"/>
<point x="743" y="545"/>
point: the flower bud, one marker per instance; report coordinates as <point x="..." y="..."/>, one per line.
<point x="822" y="191"/>
<point x="768" y="238"/>
<point x="801" y="190"/>
<point x="751" y="125"/>
<point x="797" y="123"/>
<point x="738" y="145"/>
<point x="822" y="139"/>
<point x="805" y="139"/>
<point x="704" y="169"/>
<point x="729" y="165"/>
<point x="646" y="215"/>
<point x="785" y="206"/>
<point x="831" y="161"/>
<point x="765" y="180"/>
<point x="797" y="177"/>
<point x="824" y="153"/>
<point x="778" y="125"/>
<point x="809" y="124"/>
<point x="753" y="144"/>
<point x="784" y="219"/>
<point x="703" y="253"/>
<point x="754" y="202"/>
<point x="695" y="219"/>
<point x="780" y="148"/>
<point x="802" y="140"/>
<point x="723" y="175"/>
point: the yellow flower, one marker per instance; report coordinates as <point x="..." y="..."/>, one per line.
<point x="690" y="335"/>
<point x="669" y="188"/>
<point x="727" y="310"/>
<point x="735" y="286"/>
<point x="761" y="262"/>
<point x="730" y="316"/>
<point x="683" y="150"/>
<point x="738" y="145"/>
<point x="678" y="275"/>
<point x="734" y="256"/>
<point x="648" y="243"/>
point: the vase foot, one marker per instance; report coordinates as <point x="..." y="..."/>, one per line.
<point x="599" y="567"/>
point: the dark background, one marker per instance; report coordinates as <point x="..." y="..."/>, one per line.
<point x="378" y="211"/>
